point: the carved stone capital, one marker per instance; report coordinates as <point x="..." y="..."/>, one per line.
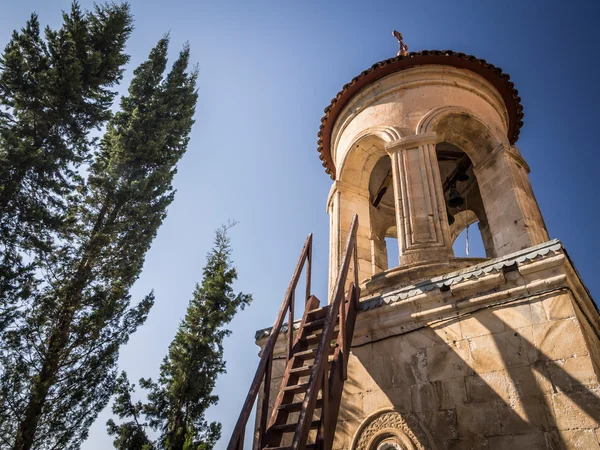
<point x="413" y="141"/>
<point x="343" y="187"/>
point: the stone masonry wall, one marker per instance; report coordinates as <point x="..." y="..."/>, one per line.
<point x="512" y="376"/>
<point x="501" y="354"/>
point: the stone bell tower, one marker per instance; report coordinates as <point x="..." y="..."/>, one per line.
<point x="407" y="133"/>
<point x="430" y="351"/>
<point x="453" y="353"/>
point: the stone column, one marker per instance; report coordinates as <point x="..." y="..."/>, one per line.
<point x="344" y="202"/>
<point x="333" y="209"/>
<point x="513" y="215"/>
<point x="421" y="218"/>
<point x="379" y="259"/>
<point x="487" y="238"/>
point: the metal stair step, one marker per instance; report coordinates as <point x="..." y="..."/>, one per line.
<point x="318" y="313"/>
<point x="297" y="406"/>
<point x="301" y="371"/>
<point x="306" y="354"/>
<point x="305" y="370"/>
<point x="307" y="447"/>
<point x="315" y="324"/>
<point x="291" y="427"/>
<point x="297" y="388"/>
<point x="312" y="354"/>
<point x="316" y="338"/>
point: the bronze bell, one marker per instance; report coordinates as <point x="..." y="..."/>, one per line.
<point x="451" y="218"/>
<point x="462" y="177"/>
<point x="454" y="198"/>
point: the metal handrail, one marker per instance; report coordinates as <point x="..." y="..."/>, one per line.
<point x="263" y="372"/>
<point x="321" y="359"/>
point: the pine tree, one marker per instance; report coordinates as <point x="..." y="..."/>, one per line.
<point x="178" y="401"/>
<point x="54" y="90"/>
<point x="59" y="351"/>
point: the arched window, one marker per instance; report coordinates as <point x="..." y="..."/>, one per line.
<point x="382" y="216"/>
<point x="468" y="243"/>
<point x="464" y="205"/>
<point x="391" y="245"/>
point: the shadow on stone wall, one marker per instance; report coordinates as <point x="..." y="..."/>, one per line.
<point x="513" y="376"/>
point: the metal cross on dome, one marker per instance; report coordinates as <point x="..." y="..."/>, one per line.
<point x="403" y="51"/>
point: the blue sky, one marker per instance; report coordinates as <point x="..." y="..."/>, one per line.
<point x="267" y="70"/>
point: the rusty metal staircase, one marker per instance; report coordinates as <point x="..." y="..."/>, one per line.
<point x="305" y="411"/>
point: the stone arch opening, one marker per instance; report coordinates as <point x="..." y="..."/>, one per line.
<point x="365" y="187"/>
<point x="513" y="220"/>
<point x="469" y="242"/>
<point x="392" y="248"/>
<point x="359" y="162"/>
<point x="462" y="195"/>
<point x="382" y="214"/>
<point x="461" y="128"/>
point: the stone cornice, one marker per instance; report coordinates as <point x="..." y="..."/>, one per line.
<point x="531" y="272"/>
<point x="472" y="273"/>
<point x="412" y="141"/>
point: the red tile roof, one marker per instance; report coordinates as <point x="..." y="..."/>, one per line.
<point x="494" y="75"/>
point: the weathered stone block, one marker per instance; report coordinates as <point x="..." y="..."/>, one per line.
<point x="359" y="379"/>
<point x="515" y="346"/>
<point x="401" y="398"/>
<point x="584" y="439"/>
<point x="344" y="430"/>
<point x="531" y="380"/>
<point x="559" y="339"/>
<point x="490" y="386"/>
<point x="352" y="407"/>
<point x="477" y="419"/>
<point x="382" y="370"/>
<point x="448" y="361"/>
<point x="421" y="338"/>
<point x="474" y="443"/>
<point x="482" y="322"/>
<point x="437" y="395"/>
<point x="531" y="441"/>
<point x="394" y="370"/>
<point x="538" y="313"/>
<point x="374" y="400"/>
<point x="363" y="353"/>
<point x="444" y="422"/>
<point x="513" y="315"/>
<point x="524" y="415"/>
<point x="577" y="409"/>
<point x="448" y="332"/>
<point x="572" y="374"/>
<point x="485" y="354"/>
<point x="558" y="307"/>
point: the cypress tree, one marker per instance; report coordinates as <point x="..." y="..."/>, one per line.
<point x="176" y="403"/>
<point x="88" y="234"/>
<point x="55" y="87"/>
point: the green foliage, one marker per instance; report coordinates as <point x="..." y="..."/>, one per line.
<point x="78" y="214"/>
<point x="176" y="403"/>
<point x="54" y="89"/>
<point x="131" y="434"/>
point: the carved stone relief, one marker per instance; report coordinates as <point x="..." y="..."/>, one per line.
<point x="390" y="430"/>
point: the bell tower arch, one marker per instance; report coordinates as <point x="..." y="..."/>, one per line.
<point x="507" y="208"/>
<point x="414" y="144"/>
